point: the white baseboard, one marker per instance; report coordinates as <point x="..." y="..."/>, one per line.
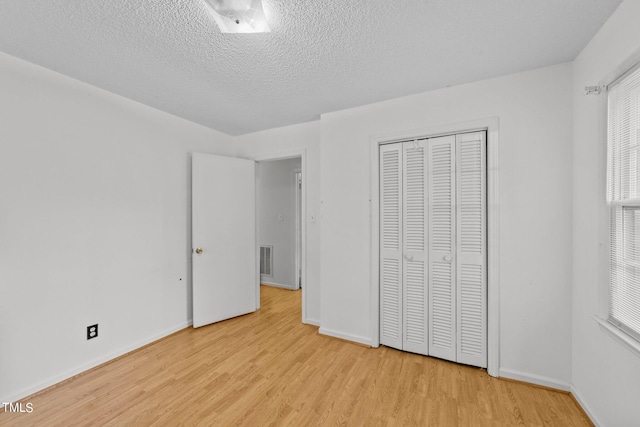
<point x="313" y="322"/>
<point x="585" y="407"/>
<point x="534" y="379"/>
<point x="278" y="285"/>
<point x="85" y="367"/>
<point x="345" y="336"/>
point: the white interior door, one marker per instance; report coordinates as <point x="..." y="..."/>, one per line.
<point x="433" y="270"/>
<point x="403" y="266"/>
<point x="224" y="238"/>
<point x="391" y="245"/>
<point x="414" y="266"/>
<point x="471" y="249"/>
<point x="442" y="228"/>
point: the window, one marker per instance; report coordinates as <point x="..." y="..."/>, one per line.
<point x="623" y="198"/>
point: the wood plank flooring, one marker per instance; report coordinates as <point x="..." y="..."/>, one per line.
<point x="267" y="369"/>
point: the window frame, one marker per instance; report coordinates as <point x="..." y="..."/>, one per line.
<point x="611" y="326"/>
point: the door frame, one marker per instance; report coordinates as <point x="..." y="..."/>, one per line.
<point x="297" y="191"/>
<point x="302" y="153"/>
<point x="491" y="125"/>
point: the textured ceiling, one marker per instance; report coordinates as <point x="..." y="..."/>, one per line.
<point x="320" y="56"/>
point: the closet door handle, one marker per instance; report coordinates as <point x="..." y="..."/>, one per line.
<point x="447" y="258"/>
<point x="408" y="257"/>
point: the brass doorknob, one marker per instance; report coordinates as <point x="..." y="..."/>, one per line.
<point x="199" y="251"/>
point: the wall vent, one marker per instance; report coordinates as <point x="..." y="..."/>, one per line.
<point x="266" y="260"/>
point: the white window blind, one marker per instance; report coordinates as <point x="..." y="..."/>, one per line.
<point x="623" y="197"/>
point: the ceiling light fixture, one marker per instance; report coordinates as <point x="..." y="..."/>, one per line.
<point x="239" y="16"/>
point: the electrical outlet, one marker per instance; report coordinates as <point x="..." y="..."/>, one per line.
<point x="92" y="331"/>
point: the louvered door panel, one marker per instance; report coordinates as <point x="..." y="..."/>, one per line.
<point x="441" y="231"/>
<point x="391" y="226"/>
<point x="433" y="276"/>
<point x="414" y="271"/>
<point x="471" y="249"/>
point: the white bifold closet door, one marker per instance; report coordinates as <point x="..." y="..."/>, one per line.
<point x="433" y="247"/>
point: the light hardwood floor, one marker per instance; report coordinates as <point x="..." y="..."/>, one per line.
<point x="266" y="368"/>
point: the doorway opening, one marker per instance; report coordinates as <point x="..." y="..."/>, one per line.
<point x="279" y="222"/>
<point x="491" y="127"/>
<point x="433" y="246"/>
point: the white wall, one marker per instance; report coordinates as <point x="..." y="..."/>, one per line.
<point x="94" y="224"/>
<point x="284" y="142"/>
<point x="535" y="130"/>
<point x="606" y="374"/>
<point x="276" y="217"/>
